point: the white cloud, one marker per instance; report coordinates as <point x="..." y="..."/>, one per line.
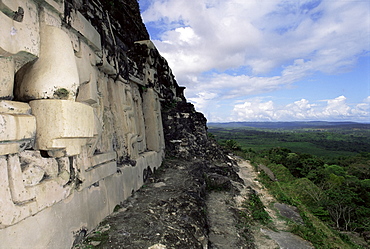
<point x="293" y="39"/>
<point x="260" y="34"/>
<point x="337" y="107"/>
<point x="185" y="36"/>
<point x="363" y="109"/>
<point x="203" y="99"/>
<point x="256" y="109"/>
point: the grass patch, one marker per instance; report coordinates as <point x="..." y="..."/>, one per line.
<point x="313" y="230"/>
<point x="244" y="226"/>
<point x="330" y="143"/>
<point x="96" y="239"/>
<point x="320" y="235"/>
<point x="256" y="209"/>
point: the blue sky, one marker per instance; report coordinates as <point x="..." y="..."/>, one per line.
<point x="260" y="60"/>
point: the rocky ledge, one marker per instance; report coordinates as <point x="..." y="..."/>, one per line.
<point x="169" y="211"/>
<point x="196" y="204"/>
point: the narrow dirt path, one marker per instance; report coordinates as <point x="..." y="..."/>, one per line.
<point x="250" y="176"/>
<point x="266" y="238"/>
<point x="223" y="231"/>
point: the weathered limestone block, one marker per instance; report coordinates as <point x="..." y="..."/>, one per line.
<point x="153" y="159"/>
<point x="86" y="60"/>
<point x="54" y="74"/>
<point x="107" y="141"/>
<point x="98" y="129"/>
<point x="41" y="177"/>
<point x="105" y="116"/>
<point x="106" y="66"/>
<point x="17" y="127"/>
<point x="125" y="124"/>
<point x="19" y="193"/>
<point x="133" y="176"/>
<point x="10" y="213"/>
<point x="24" y="193"/>
<point x="49" y="192"/>
<point x="95" y="168"/>
<point x="64" y="172"/>
<point x="5" y="200"/>
<point x="133" y="148"/>
<point x="62" y="125"/>
<point x="102" y="158"/>
<point x="8" y="6"/>
<point x="14" y="107"/>
<point x="32" y="175"/>
<point x="153" y="121"/>
<point x="88" y="75"/>
<point x="84" y="27"/>
<point x="57" y="5"/>
<point x="9" y="148"/>
<point x="88" y="92"/>
<point x="103" y="89"/>
<point x="55" y="227"/>
<point x="139" y="117"/>
<point x="19" y="33"/>
<point x="48" y="15"/>
<point x="6" y="77"/>
<point x="131" y="124"/>
<point x="32" y="161"/>
<point x="75" y="40"/>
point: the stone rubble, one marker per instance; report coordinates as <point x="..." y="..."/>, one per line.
<point x="170" y="211"/>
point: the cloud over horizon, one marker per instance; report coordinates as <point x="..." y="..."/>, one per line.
<point x="235" y="49"/>
<point x="302" y="110"/>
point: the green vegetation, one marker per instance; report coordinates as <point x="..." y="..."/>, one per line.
<point x="231" y="144"/>
<point x="330" y="185"/>
<point x="253" y="211"/>
<point x="61" y="93"/>
<point x="323" y="141"/>
<point x="257" y="209"/>
<point x="96" y="239"/>
<point x="331" y="198"/>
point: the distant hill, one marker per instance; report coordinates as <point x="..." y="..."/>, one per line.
<point x="290" y="125"/>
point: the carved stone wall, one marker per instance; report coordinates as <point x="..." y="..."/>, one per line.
<point x="81" y="87"/>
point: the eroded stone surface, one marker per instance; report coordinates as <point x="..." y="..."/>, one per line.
<point x="62" y="124"/>
<point x="16" y="127"/>
<point x="14" y="107"/>
<point x="19" y="38"/>
<point x="84" y="27"/>
<point x="288" y="240"/>
<point x="33" y="159"/>
<point x="54" y="74"/>
<point x="289" y="212"/>
<point x="6" y="77"/>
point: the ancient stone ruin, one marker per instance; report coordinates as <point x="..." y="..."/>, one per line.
<point x="82" y="90"/>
